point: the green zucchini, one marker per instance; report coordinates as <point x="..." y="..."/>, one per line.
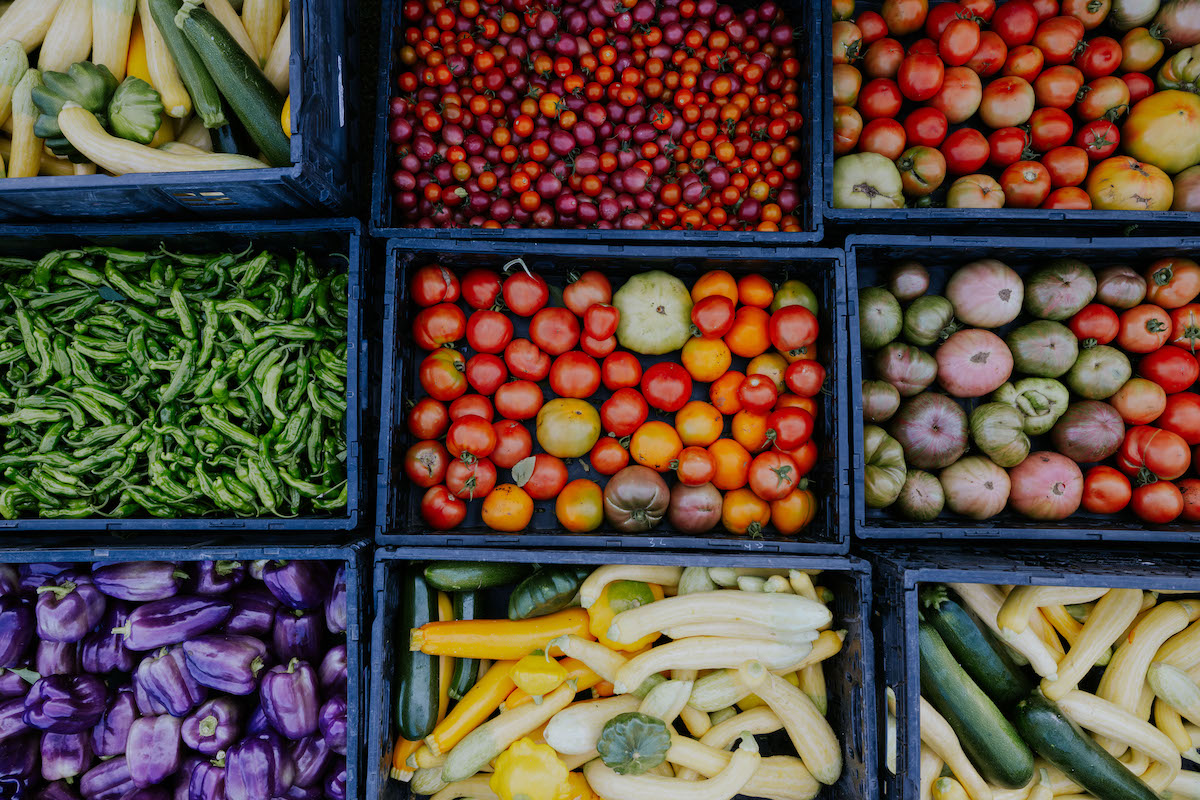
<point x="242" y="83"/>
<point x="1059" y="740"/>
<point x="460" y="576"/>
<point x="987" y="738"/>
<point x="417" y="673"/>
<point x="548" y="590"/>
<point x="984" y="658"/>
<point x="466" y="670"/>
<point x="206" y="100"/>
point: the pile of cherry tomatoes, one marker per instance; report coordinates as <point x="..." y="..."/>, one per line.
<point x="506" y="374"/>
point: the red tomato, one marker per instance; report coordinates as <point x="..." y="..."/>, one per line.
<point x="1067" y="165"/>
<point x="597" y="348"/>
<point x="925" y="126"/>
<point x="883" y="136"/>
<point x="983" y="9"/>
<point x="1159" y="502"/>
<point x="1024" y="61"/>
<point x="525" y="293"/>
<point x="1185" y="326"/>
<point x="958" y="42"/>
<point x="471" y="479"/>
<point x="590" y="288"/>
<point x="847" y="42"/>
<point x="1100" y="56"/>
<point x="428" y="419"/>
<point x="922" y="47"/>
<point x="1105" y="490"/>
<point x="789" y="428"/>
<point x="575" y="374"/>
<point x="1026" y="184"/>
<point x="472" y="435"/>
<point x="1070" y="198"/>
<point x="1007" y="102"/>
<point x="847" y="127"/>
<point x="804" y="377"/>
<point x="757" y="393"/>
<point x="438" y="325"/>
<point x="554" y="330"/>
<point x="792" y="328"/>
<point x="441" y="510"/>
<point x="489" y="331"/>
<point x="872" y="26"/>
<point x="1051" y="128"/>
<point x="600" y="320"/>
<point x="1161" y="453"/>
<point x="966" y="150"/>
<point x="1095" y="324"/>
<point x="940" y="17"/>
<point x="425" y="463"/>
<point x="621" y="370"/>
<point x="471" y="404"/>
<point x="548" y="478"/>
<point x="880" y="99"/>
<point x="1015" y="22"/>
<point x="624" y="412"/>
<point x="608" y="457"/>
<point x="1140" y="86"/>
<point x="1182" y="416"/>
<point x="667" y="386"/>
<point x="518" y="400"/>
<point x="1099" y="139"/>
<point x="1103" y="98"/>
<point x="526" y="360"/>
<point x="959" y="96"/>
<point x="904" y="17"/>
<point x="1045" y="9"/>
<point x="1190" y="489"/>
<point x="442" y="374"/>
<point x="1058" y="87"/>
<point x="1171" y="367"/>
<point x="513" y="443"/>
<point x="480" y="288"/>
<point x="883" y="59"/>
<point x="920" y="76"/>
<point x="1144" y="329"/>
<point x="713" y="315"/>
<point x="990" y="56"/>
<point x="434" y="284"/>
<point x="1058" y="38"/>
<point x="1008" y="146"/>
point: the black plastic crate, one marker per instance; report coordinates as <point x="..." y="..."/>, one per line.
<point x="355" y="555"/>
<point x="867" y="260"/>
<point x="398" y="519"/>
<point x="900" y="573"/>
<point x="850" y="674"/>
<point x="321" y="237"/>
<point x="805" y="17"/>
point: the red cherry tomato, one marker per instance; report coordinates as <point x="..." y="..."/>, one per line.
<point x="621" y="370"/>
<point x="624" y="412"/>
<point x="489" y="331"/>
<point x="575" y="374"/>
<point x="480" y="288"/>
<point x="434" y="284"/>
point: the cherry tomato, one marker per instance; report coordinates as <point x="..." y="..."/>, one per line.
<point x="1024" y="61"/>
<point x="608" y="457"/>
<point x="624" y="412"/>
<point x="804" y="377"/>
<point x="965" y="149"/>
<point x="480" y="288"/>
<point x="441" y="510"/>
<point x="958" y="42"/>
<point x="471" y="404"/>
<point x="621" y="370"/>
<point x="926" y="126"/>
<point x="554" y="330"/>
<point x="757" y="393"/>
<point x="1025" y="183"/>
<point x="1059" y="38"/>
<point x="442" y="374"/>
<point x="713" y="315"/>
<point x="548" y="478"/>
<point x="513" y="443"/>
<point x="1095" y="324"/>
<point x="990" y="56"/>
<point x="471" y="479"/>
<point x="600" y="320"/>
<point x="1098" y="138"/>
<point x="428" y="419"/>
<point x="526" y="360"/>
<point x="1015" y="22"/>
<point x="920" y="76"/>
<point x="1171" y="367"/>
<point x="1068" y="197"/>
<point x="1159" y="502"/>
<point x="425" y="463"/>
<point x="518" y="400"/>
<point x="880" y="99"/>
<point x="592" y="287"/>
<point x="1100" y="56"/>
<point x="773" y="475"/>
<point x="667" y="386"/>
<point x="883" y="136"/>
<point x="1050" y="128"/>
<point x="525" y="293"/>
<point x="438" y="325"/>
<point x="489" y="331"/>
<point x="434" y="284"/>
<point x="1105" y="490"/>
<point x="575" y="374"/>
<point x="1067" y="165"/>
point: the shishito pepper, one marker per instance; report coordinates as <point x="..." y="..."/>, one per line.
<point x="528" y="771"/>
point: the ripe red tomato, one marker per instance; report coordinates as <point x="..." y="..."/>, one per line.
<point x="1050" y="128"/>
<point x="1190" y="489"/>
<point x="425" y="463"/>
<point x="428" y="419"/>
<point x="548" y="478"/>
<point x="434" y="284"/>
<point x="904" y="17"/>
<point x="441" y="510"/>
<point x="940" y="17"/>
<point x="983" y="9"/>
<point x="804" y="377"/>
<point x="1182" y="416"/>
<point x="471" y="404"/>
<point x="1144" y="329"/>
<point x="1067" y="165"/>
<point x="1008" y="146"/>
<point x="471" y="479"/>
<point x="926" y="126"/>
<point x="880" y="99"/>
<point x="1045" y="9"/>
<point x="600" y="320"/>
<point x="965" y="150"/>
<point x="1103" y="98"/>
<point x="575" y="374"/>
<point x="789" y="428"/>
<point x="1024" y="61"/>
<point x="757" y="393"/>
<point x="1058" y="87"/>
<point x="525" y="293"/>
<point x="489" y="331"/>
<point x="990" y="56"/>
<point x="1100" y="56"/>
<point x="1058" y="38"/>
<point x="513" y="443"/>
<point x="791" y="329"/>
<point x="1185" y="327"/>
<point x="958" y="42"/>
<point x="1105" y="490"/>
<point x="1015" y="22"/>
<point x="883" y="59"/>
<point x="480" y="288"/>
<point x="1007" y="102"/>
<point x="442" y="374"/>
<point x="1140" y="86"/>
<point x="713" y="315"/>
<point x="472" y="435"/>
<point x="872" y="26"/>
<point x="518" y="400"/>
<point x="1171" y="367"/>
<point x="1159" y="502"/>
<point x="621" y="370"/>
<point x="624" y="412"/>
<point x="773" y="475"/>
<point x="608" y="457"/>
<point x="883" y="136"/>
<point x="597" y="348"/>
<point x="592" y="287"/>
<point x="438" y="325"/>
<point x="959" y="96"/>
<point x="1026" y="184"/>
<point x="1161" y="453"/>
<point x="920" y="76"/>
<point x="526" y="360"/>
<point x="1098" y="138"/>
<point x="554" y="330"/>
<point x="1068" y="197"/>
<point x="667" y="386"/>
<point x="1095" y="324"/>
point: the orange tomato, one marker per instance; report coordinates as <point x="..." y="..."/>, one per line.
<point x="809" y="404"/>
<point x="749" y="335"/>
<point x="723" y="393"/>
<point x="773" y="365"/>
<point x="695" y="466"/>
<point x="706" y="358"/>
<point x="717" y="281"/>
<point x="733" y="464"/>
<point x="1172" y="282"/>
<point x="755" y="290"/>
<point x="1139" y="401"/>
<point x="794" y="512"/>
<point x="655" y="445"/>
<point x="805" y="457"/>
<point x="508" y="508"/>
<point x="580" y="506"/>
<point x="749" y="430"/>
<point x="742" y="511"/>
<point x="699" y="423"/>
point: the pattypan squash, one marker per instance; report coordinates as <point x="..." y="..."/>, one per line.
<point x="528" y="771"/>
<point x="633" y="743"/>
<point x="537" y="675"/>
<point x="135" y="111"/>
<point x="85" y="84"/>
<point x="621" y="596"/>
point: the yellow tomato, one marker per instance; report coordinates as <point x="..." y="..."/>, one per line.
<point x="699" y="423"/>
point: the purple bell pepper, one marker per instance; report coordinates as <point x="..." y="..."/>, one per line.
<point x="332" y="674"/>
<point x="59" y="790"/>
<point x="253" y="612"/>
<point x="65" y="703"/>
<point x="67" y="610"/>
<point x="213" y="726"/>
<point x="12" y="684"/>
<point x="10" y="579"/>
<point x="111" y="733"/>
<point x="16" y="628"/>
<point x="153" y="749"/>
<point x="108" y="780"/>
<point x="56" y="658"/>
<point x="208" y="780"/>
<point x="65" y="755"/>
<point x="12" y="717"/>
<point x="335" y="782"/>
<point x="290" y="699"/>
<point x="312" y="756"/>
<point x="140" y="581"/>
<point x="37" y="574"/>
<point x="335" y="604"/>
<point x="183" y="777"/>
<point x="258" y="723"/>
<point x="256" y="768"/>
<point x="218" y="577"/>
<point x="147" y="793"/>
<point x="165" y="682"/>
<point x="332" y="722"/>
<point x="103" y="651"/>
<point x="298" y="584"/>
<point x="18" y="756"/>
<point x="298" y="634"/>
<point x="303" y="793"/>
<point x="171" y="621"/>
<point x="226" y="663"/>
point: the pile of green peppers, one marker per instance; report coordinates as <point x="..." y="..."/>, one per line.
<point x="173" y="385"/>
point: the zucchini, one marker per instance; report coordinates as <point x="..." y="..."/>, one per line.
<point x="417" y="673"/>
<point x="206" y="100"/>
<point x="1060" y="741"/>
<point x="987" y="738"/>
<point x="466" y="670"/>
<point x="461" y="576"/>
<point x="546" y="591"/>
<point x="249" y="93"/>
<point x="984" y="658"/>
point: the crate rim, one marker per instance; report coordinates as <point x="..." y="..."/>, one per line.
<point x="840" y="544"/>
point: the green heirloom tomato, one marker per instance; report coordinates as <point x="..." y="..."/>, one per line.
<point x="885" y="468"/>
<point x="656" y="313"/>
<point x="1041" y="402"/>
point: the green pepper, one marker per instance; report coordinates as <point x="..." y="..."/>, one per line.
<point x="227" y="428"/>
<point x="186" y="322"/>
<point x="9" y="496"/>
<point x="289" y="331"/>
<point x="135" y="111"/>
<point x="181" y="375"/>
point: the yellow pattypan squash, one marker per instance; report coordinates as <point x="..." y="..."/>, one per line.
<point x="528" y="771"/>
<point x="536" y="675"/>
<point x="617" y="597"/>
